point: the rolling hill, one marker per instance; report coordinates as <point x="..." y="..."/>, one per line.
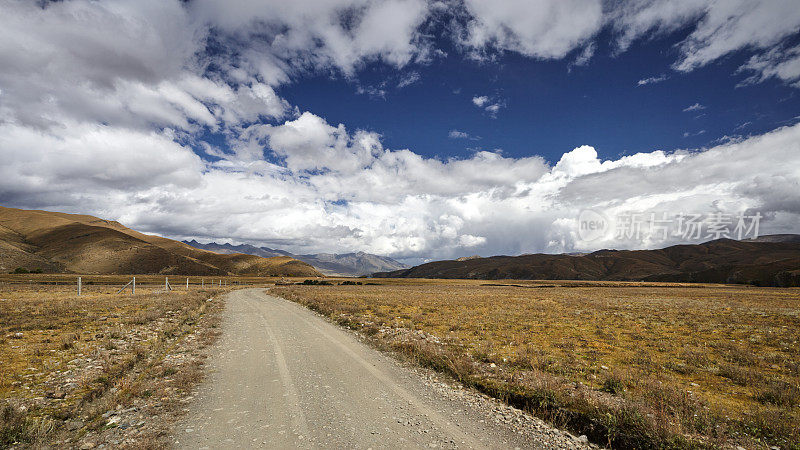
<point x="765" y="262"/>
<point x="60" y="242"/>
<point x="347" y="264"/>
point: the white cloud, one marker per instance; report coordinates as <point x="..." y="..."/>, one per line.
<point x="488" y="104"/>
<point x="100" y="103"/>
<point x="408" y="79"/>
<point x="698" y="133"/>
<point x="651" y="80"/>
<point x="338" y="190"/>
<point x="143" y="64"/>
<point x="694" y="107"/>
<point x="718" y="28"/>
<point x="457" y="134"/>
<point x="733" y="25"/>
<point x="780" y="63"/>
<point x="552" y="29"/>
<point x="641" y="18"/>
<point x="314" y="35"/>
<point x="480" y="101"/>
<point x="87" y="59"/>
<point x="72" y="160"/>
<point x="373" y="91"/>
<point x="584" y="56"/>
<point x="544" y="29"/>
<point x="117" y="63"/>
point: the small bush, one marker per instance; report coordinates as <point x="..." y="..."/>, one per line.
<point x="68" y="340"/>
<point x="147" y="316"/>
<point x="371" y="330"/>
<point x="743" y="376"/>
<point x="780" y="393"/>
<point x="613" y="385"/>
<point x="316" y="283"/>
<point x="13" y="428"/>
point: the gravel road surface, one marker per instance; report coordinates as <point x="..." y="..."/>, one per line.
<point x="281" y="376"/>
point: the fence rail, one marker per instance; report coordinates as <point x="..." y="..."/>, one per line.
<point x="81" y="284"/>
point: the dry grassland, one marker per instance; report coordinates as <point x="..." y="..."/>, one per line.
<point x="631" y="365"/>
<point x="79" y="371"/>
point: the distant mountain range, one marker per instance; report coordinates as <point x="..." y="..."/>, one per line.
<point x="776" y="238"/>
<point x="345" y="264"/>
<point x="59" y="242"/>
<point x="772" y="260"/>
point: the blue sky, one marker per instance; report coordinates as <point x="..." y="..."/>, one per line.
<point x="417" y="129"/>
<point x="551" y="107"/>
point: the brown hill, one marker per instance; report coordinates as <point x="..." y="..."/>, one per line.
<point x="763" y="262"/>
<point x="60" y="242"/>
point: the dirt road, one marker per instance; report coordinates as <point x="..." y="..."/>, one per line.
<point x="283" y="377"/>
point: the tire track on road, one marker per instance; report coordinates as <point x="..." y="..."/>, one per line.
<point x="293" y="401"/>
<point x="456" y="433"/>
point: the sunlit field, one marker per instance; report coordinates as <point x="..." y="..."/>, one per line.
<point x="629" y="364"/>
<point x="67" y="360"/>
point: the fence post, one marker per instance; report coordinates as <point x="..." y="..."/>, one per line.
<point x="202" y="283"/>
<point x="79" y="286"/>
<point x="129" y="283"/>
<point x="187" y="283"/>
<point x="166" y="283"/>
<point x="133" y="287"/>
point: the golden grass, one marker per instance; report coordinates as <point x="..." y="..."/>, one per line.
<point x="630" y="364"/>
<point x="67" y="358"/>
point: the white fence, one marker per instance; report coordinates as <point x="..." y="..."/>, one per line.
<point x="167" y="286"/>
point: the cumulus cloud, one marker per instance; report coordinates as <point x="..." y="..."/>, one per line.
<point x="146" y="63"/>
<point x="455" y="134"/>
<point x="545" y="29"/>
<point x="104" y="106"/>
<point x="116" y="63"/>
<point x="338" y="190"/>
<point x="479" y="101"/>
<point x="489" y="104"/>
<point x="316" y="34"/>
